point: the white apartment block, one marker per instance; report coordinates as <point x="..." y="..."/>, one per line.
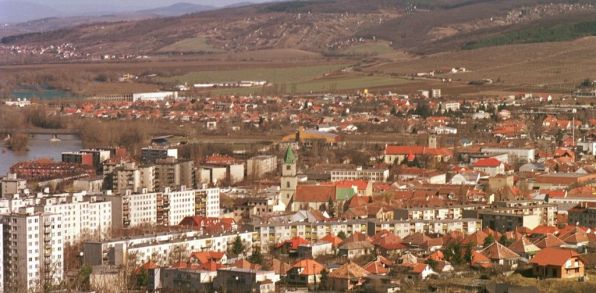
<point x="275" y="233"/>
<point x="378" y="175"/>
<point x="528" y="155"/>
<point x="158" y="247"/>
<point x="33" y="250"/>
<point x="209" y="199"/>
<point x="257" y="167"/>
<point x="83" y="216"/>
<point x="166" y="208"/>
<point x="181" y="204"/>
<point x="437" y="213"/>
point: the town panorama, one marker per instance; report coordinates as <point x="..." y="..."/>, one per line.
<point x="297" y="146"/>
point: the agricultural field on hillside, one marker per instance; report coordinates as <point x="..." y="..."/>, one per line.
<point x="273" y="75"/>
<point x="540" y="34"/>
<point x="191" y="45"/>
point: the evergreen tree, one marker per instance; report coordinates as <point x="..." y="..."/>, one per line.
<point x="490" y="239"/>
<point x="238" y="246"/>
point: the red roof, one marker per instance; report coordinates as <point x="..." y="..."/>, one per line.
<point x="207" y="256"/>
<point x="376" y="268"/>
<point x="314" y="193"/>
<point x="334" y="240"/>
<point x="553" y="256"/>
<point x="487" y="163"/>
<point x="542" y="229"/>
<point x="294" y="242"/>
<point x="309" y="267"/>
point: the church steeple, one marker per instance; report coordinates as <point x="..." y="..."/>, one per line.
<point x="289" y="180"/>
<point x="289" y="158"/>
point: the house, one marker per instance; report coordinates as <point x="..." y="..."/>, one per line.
<point x="305" y="272"/>
<point x="500" y="255"/>
<point x="315" y="250"/>
<point x="489" y="166"/>
<point x="558" y="263"/>
<point x="465" y="178"/>
<point x="397" y="154"/>
<point x="245" y="280"/>
<point x="387" y="243"/>
<point x="334" y="240"/>
<point x="420" y="271"/>
<point x="355" y="249"/>
<point x="524" y="247"/>
<point x="347" y="277"/>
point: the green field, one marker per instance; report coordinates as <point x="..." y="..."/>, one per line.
<point x="273" y="75"/>
<point x="343" y="83"/>
<point x="555" y="33"/>
<point x="192" y="45"/>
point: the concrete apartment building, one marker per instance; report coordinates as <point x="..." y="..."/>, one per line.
<point x="378" y="175"/>
<point x="583" y="214"/>
<point x="527" y="155"/>
<point x="218" y="174"/>
<point x="268" y="234"/>
<point x="506" y="215"/>
<point x="165" y="208"/>
<point x="11" y="185"/>
<point x="437" y="213"/>
<point x="152" y="154"/>
<point x="207" y="202"/>
<point x="173" y="173"/>
<point x="33" y="247"/>
<point x="83" y="216"/>
<point x="257" y="167"/>
<point x="157" y="247"/>
<point x="132" y="177"/>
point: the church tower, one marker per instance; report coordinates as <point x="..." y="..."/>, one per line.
<point x="289" y="180"/>
<point x="432" y="141"/>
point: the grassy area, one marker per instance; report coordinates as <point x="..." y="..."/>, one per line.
<point x="192" y="45"/>
<point x="554" y="33"/>
<point x="333" y="84"/>
<point x="273" y="75"/>
<point x="369" y="48"/>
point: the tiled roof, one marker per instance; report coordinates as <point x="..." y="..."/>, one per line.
<point x="309" y="267"/>
<point x="498" y="251"/>
<point x="314" y="193"/>
<point x="350" y="271"/>
<point x="523" y="246"/>
<point x="376" y="268"/>
<point x="549" y="240"/>
<point x="553" y="256"/>
<point x="487" y="163"/>
<point x="334" y="240"/>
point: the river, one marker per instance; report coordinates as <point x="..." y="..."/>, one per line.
<point x="39" y="147"/>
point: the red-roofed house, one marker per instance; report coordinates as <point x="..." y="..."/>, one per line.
<point x="306" y="271"/>
<point x="558" y="263"/>
<point x="490" y="166"/>
<point x="397" y="154"/>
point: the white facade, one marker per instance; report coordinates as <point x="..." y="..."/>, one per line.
<point x="522" y="154"/>
<point x="181" y="203"/>
<point x="378" y="175"/>
<point x="83" y="216"/>
<point x="33" y="250"/>
<point x="154" y="97"/>
<point x="212" y="208"/>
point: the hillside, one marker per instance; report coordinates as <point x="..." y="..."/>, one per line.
<point x="324" y="26"/>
